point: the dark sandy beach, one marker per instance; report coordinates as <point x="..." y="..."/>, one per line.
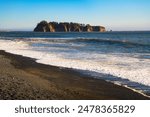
<point x="24" y="79"/>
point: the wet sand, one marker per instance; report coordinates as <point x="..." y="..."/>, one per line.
<point x="23" y="79"/>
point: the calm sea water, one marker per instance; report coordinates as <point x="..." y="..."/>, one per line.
<point x="122" y="57"/>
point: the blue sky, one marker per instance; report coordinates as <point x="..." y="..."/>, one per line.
<point x="113" y="14"/>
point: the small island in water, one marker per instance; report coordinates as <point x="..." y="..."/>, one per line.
<point x="44" y="26"/>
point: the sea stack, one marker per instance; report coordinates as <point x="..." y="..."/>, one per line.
<point x="44" y="26"/>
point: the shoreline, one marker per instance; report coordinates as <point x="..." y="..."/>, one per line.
<point x="24" y="78"/>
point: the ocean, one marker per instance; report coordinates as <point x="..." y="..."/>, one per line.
<point x="119" y="57"/>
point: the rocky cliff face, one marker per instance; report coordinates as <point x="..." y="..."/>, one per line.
<point x="44" y="26"/>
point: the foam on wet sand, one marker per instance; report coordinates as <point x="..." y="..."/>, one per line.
<point x="123" y="67"/>
<point x="23" y="78"/>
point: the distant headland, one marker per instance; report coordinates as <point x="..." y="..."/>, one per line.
<point x="44" y="26"/>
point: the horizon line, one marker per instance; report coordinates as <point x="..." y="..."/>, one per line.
<point x="28" y="30"/>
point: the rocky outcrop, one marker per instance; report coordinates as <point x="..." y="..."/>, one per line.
<point x="44" y="26"/>
<point x="99" y="29"/>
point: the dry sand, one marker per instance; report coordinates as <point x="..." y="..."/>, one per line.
<point x="24" y="79"/>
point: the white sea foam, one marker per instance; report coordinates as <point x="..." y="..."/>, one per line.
<point x="134" y="69"/>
